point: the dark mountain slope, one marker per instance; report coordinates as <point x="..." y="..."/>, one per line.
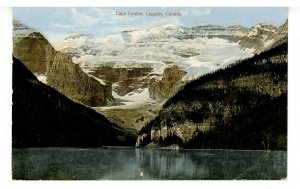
<point x="243" y="106"/>
<point x="43" y="117"/>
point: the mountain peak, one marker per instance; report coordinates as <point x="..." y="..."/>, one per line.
<point x="168" y="26"/>
<point x="79" y="35"/>
<point x="284" y="26"/>
<point x="35" y="34"/>
<point x="265" y="26"/>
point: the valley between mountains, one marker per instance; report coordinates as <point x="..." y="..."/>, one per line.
<point x="169" y="86"/>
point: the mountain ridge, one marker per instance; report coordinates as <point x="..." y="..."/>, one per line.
<point x="42" y="117"/>
<point x="224" y="109"/>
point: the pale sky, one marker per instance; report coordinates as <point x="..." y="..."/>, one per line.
<point x="56" y="22"/>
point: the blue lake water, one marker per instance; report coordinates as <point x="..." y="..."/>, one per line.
<point x="145" y="164"/>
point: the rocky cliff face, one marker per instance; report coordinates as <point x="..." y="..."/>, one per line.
<point x="243" y="106"/>
<point x="130" y="80"/>
<point x="61" y="73"/>
<point x="257" y="37"/>
<point x="34" y="50"/>
<point x="69" y="79"/>
<point x="263" y="36"/>
<point x="169" y="83"/>
<point x="124" y="80"/>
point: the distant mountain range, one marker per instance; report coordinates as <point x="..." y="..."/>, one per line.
<point x="197" y="50"/>
<point x="157" y="61"/>
<point x="182" y="83"/>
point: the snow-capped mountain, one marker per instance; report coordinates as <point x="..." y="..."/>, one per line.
<point x="142" y="68"/>
<point x="259" y="37"/>
<point x="198" y="49"/>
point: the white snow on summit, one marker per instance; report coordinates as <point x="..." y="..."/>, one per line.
<point x="198" y="50"/>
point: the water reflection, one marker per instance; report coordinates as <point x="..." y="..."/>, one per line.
<point x="120" y="164"/>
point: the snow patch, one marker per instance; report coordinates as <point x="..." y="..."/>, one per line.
<point x="138" y="96"/>
<point x="98" y="79"/>
<point x="41" y="77"/>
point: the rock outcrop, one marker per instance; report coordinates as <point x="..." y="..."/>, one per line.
<point x="69" y="79"/>
<point x="61" y="73"/>
<point x="169" y="83"/>
<point x="127" y="80"/>
<point x="34" y="50"/>
<point x="264" y="36"/>
<point x="124" y="80"/>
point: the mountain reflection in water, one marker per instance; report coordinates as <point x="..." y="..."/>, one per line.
<point x="130" y="163"/>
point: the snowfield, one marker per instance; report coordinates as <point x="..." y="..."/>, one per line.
<point x="156" y="47"/>
<point x="197" y="50"/>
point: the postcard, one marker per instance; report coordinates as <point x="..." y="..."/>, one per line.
<point x="149" y="93"/>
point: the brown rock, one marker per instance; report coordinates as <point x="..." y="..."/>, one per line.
<point x="62" y="74"/>
<point x="170" y="83"/>
<point x="125" y="80"/>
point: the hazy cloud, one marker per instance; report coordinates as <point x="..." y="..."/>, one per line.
<point x="83" y="19"/>
<point x="200" y="12"/>
<point x="63" y="26"/>
<point x="101" y="21"/>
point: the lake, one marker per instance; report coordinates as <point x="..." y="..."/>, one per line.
<point x="146" y="164"/>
